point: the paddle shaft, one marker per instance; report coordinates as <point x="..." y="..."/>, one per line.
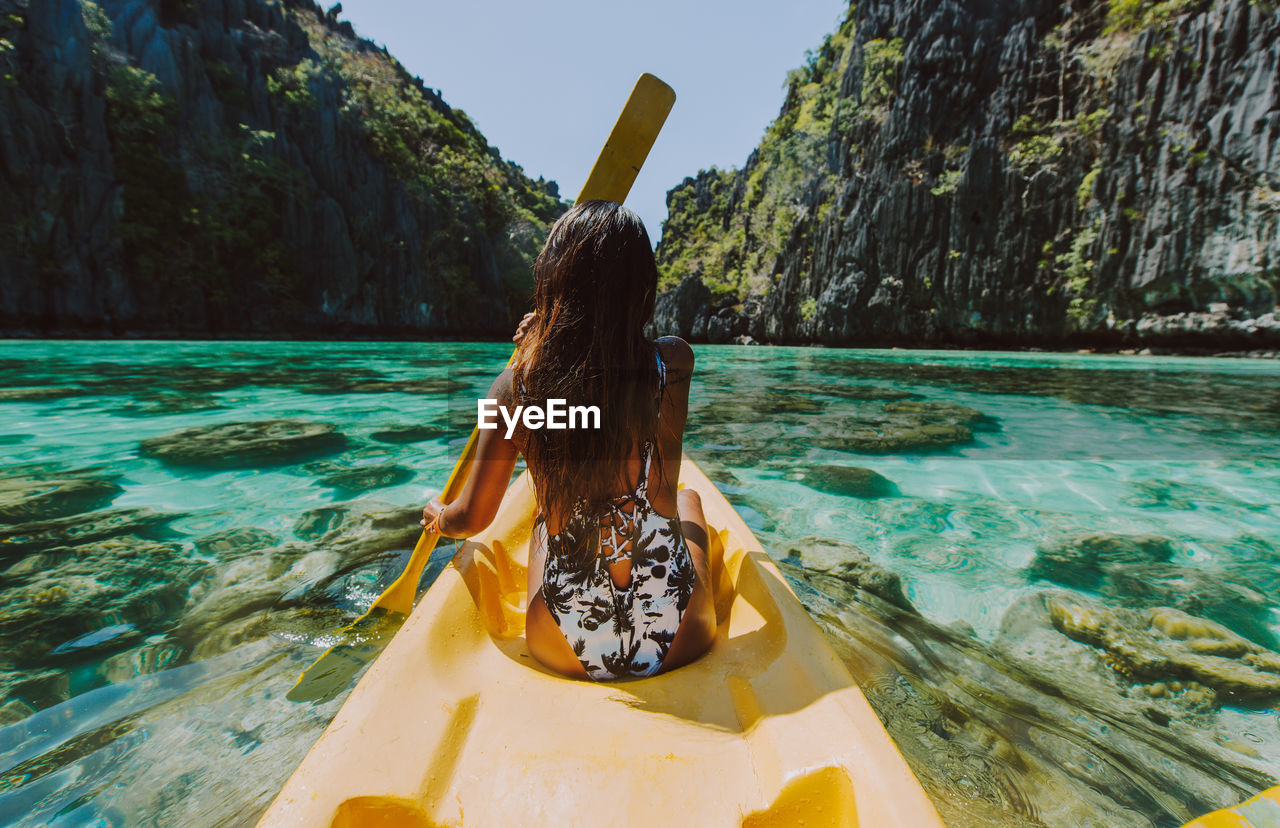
<point x="611" y="178"/>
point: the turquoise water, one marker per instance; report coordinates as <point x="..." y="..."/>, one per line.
<point x="160" y="598"/>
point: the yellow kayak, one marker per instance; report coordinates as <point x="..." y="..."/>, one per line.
<point x="1262" y="811"/>
<point x="456" y="724"/>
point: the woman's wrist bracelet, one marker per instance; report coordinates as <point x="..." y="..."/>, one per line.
<point x="434" y="526"/>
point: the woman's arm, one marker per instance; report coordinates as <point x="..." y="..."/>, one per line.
<point x="491" y="469"/>
<point x="677" y="356"/>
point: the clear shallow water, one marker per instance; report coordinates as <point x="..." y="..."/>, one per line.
<point x="151" y="688"/>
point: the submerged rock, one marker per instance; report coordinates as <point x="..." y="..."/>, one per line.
<point x="727" y="405"/>
<point x="245" y="589"/>
<point x="410" y="433"/>
<point x="245" y="445"/>
<point x="1035" y="728"/>
<point x="38" y="498"/>
<point x="256" y="594"/>
<point x="367" y="478"/>
<point x="64" y="603"/>
<point x="1135" y="570"/>
<point x="148" y="657"/>
<point x="849" y="481"/>
<point x="903" y="426"/>
<point x="39" y="393"/>
<point x="847" y="392"/>
<point x="897" y="437"/>
<point x="23" y="692"/>
<point x="427" y="386"/>
<point x="938" y="412"/>
<point x="1165" y="644"/>
<point x="850" y="565"/>
<point x="81" y="529"/>
<point x="361" y="530"/>
<point x="163" y="404"/>
<point x="1168" y="494"/>
<point x="1084" y="560"/>
<point x="235" y="543"/>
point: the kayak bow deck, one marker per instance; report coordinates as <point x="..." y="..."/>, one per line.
<point x="456" y="723"/>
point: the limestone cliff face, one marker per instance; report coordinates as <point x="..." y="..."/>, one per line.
<point x="1029" y="172"/>
<point x="196" y="167"/>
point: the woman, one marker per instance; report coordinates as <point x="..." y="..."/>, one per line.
<point x="619" y="583"/>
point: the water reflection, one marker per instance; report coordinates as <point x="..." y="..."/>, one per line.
<point x="950" y="518"/>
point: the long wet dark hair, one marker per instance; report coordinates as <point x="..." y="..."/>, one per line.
<point x="595" y="284"/>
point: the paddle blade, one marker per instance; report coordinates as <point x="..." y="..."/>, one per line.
<point x="629" y="143"/>
<point x="333" y="672"/>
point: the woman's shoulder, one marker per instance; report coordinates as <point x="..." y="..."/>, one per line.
<point x="502" y="388"/>
<point x="676" y="354"/>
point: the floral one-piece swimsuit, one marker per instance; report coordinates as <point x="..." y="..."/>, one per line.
<point x="618" y="632"/>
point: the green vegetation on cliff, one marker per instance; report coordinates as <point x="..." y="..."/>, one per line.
<point x="281" y="176"/>
<point x="435" y="149"/>
<point x="1038" y="174"/>
<point x="727" y="228"/>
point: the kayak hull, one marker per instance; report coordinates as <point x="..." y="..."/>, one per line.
<point x="456" y="724"/>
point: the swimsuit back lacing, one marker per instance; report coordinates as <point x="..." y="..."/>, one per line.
<point x="618" y="631"/>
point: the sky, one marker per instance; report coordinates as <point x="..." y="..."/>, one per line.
<point x="544" y="81"/>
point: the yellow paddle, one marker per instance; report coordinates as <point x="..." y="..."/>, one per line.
<point x="611" y="178"/>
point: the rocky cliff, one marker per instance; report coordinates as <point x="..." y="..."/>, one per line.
<point x="230" y="167"/>
<point x="1016" y="172"/>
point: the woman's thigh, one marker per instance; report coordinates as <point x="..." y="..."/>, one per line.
<point x="698" y="626"/>
<point x="547" y="643"/>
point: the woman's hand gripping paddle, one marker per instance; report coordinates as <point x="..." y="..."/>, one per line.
<point x="611" y="178"/>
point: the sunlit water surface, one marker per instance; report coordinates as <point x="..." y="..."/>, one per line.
<point x="145" y="650"/>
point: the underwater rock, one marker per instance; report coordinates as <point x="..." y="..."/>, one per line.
<point x="361" y="530"/>
<point x="737" y="445"/>
<point x="723" y="477"/>
<point x="163" y="404"/>
<point x="849" y="565"/>
<point x="426" y="386"/>
<point x="1134" y="570"/>
<point x="248" y="586"/>
<point x="39" y="394"/>
<point x="938" y="412"/>
<point x="123" y="581"/>
<point x="356" y="458"/>
<point x="81" y="529"/>
<point x="38" y="498"/>
<point x="220" y="637"/>
<point x="233" y="543"/>
<point x="1035" y="728"/>
<point x="896" y="437"/>
<point x="1168" y="494"/>
<point x="23" y="692"/>
<point x="756" y="519"/>
<point x="774" y="404"/>
<point x="1082" y="561"/>
<point x="849" y="481"/>
<point x="14" y="711"/>
<point x="1165" y="644"/>
<point x="409" y="434"/>
<point x="148" y="657"/>
<point x="367" y="478"/>
<point x="903" y="426"/>
<point x="1217" y="596"/>
<point x="245" y="445"/>
<point x="846" y="392"/>
<point x="315" y="523"/>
